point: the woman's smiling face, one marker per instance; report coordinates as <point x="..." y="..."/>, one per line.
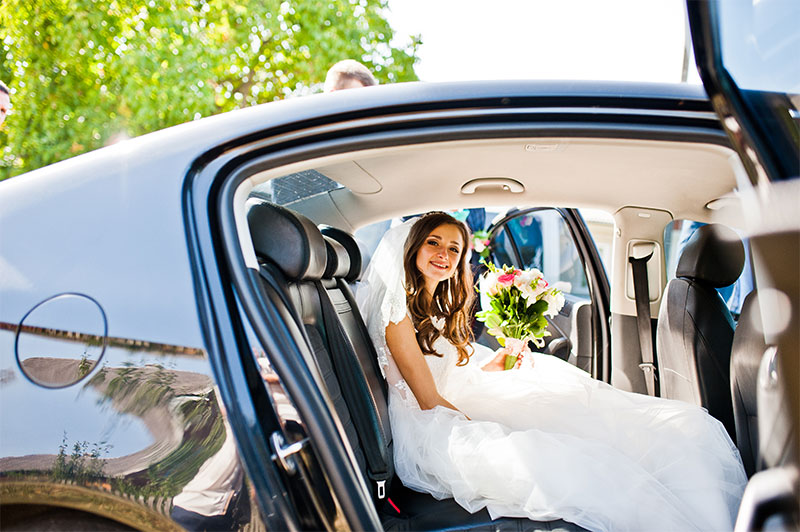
<point x="439" y="255"/>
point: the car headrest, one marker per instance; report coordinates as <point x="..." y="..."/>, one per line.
<point x="349" y="242"/>
<point x="714" y="254"/>
<point x="338" y="259"/>
<point x="288" y="239"/>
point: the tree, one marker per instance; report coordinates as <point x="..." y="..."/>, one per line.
<point x="85" y="71"/>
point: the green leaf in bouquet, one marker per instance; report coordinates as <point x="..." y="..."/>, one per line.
<point x="539" y="307"/>
<point x="492" y="321"/>
<point x="497" y="306"/>
<point x="541" y="323"/>
<point x="483" y="314"/>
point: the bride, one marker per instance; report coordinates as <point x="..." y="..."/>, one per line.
<point x="544" y="441"/>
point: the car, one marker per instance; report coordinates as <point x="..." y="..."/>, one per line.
<point x="171" y="357"/>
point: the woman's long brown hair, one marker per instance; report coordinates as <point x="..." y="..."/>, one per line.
<point x="452" y="299"/>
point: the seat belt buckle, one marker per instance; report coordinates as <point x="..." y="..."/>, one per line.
<point x="381" y="489"/>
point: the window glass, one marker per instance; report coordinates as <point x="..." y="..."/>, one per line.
<point x="545" y="242"/>
<point x="501" y="248"/>
<point x="760" y="44"/>
<point x="677" y="234"/>
<point x="601" y="226"/>
<point x="369" y="236"/>
<point x="290" y="188"/>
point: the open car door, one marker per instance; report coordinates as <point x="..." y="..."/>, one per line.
<point x="557" y="243"/>
<point x="747" y="54"/>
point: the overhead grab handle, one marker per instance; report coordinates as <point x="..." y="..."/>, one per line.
<point x="504" y="184"/>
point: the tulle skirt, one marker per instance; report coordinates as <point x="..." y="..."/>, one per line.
<point x="550" y="442"/>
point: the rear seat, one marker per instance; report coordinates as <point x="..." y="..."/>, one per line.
<point x="362" y="404"/>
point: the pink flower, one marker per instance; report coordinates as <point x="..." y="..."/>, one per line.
<point x="507" y="279"/>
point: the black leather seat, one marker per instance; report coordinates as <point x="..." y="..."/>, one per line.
<point x="292" y="249"/>
<point x="350" y="245"/>
<point x="293" y="254"/>
<point x="748" y="350"/>
<point x="695" y="328"/>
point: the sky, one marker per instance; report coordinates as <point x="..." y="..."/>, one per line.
<point x="623" y="40"/>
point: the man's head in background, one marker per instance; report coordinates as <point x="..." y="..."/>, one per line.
<point x="348" y="74"/>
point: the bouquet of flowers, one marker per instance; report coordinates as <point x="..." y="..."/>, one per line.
<point x="514" y="306"/>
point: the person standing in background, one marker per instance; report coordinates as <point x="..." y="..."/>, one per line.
<point x="348" y="74"/>
<point x="5" y="101"/>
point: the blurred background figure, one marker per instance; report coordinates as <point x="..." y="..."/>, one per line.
<point x="5" y="101"/>
<point x="348" y="74"/>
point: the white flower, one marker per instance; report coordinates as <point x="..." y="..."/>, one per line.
<point x="479" y="245"/>
<point x="555" y="300"/>
<point x="525" y="283"/>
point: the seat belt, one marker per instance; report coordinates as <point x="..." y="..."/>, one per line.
<point x="356" y="393"/>
<point x="641" y="293"/>
<point x="348" y="295"/>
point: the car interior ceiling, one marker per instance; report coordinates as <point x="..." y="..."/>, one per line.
<point x="607" y="174"/>
<point x="318" y="286"/>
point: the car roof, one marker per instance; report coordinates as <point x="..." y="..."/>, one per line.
<point x="218" y="132"/>
<point x="602" y="170"/>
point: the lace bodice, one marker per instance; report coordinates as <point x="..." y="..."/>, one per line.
<point x="441" y="366"/>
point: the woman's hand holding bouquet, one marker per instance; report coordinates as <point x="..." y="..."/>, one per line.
<point x="514" y="306"/>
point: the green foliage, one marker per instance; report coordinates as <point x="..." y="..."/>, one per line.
<point x="85" y="365"/>
<point x="83" y="72"/>
<point x="82" y="464"/>
<point x="204" y="435"/>
<point x="141" y="388"/>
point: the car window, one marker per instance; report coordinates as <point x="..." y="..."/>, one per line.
<point x="748" y="53"/>
<point x="290" y="188"/>
<point x="601" y="226"/>
<point x="677" y="234"/>
<point x="543" y="241"/>
<point x="760" y="44"/>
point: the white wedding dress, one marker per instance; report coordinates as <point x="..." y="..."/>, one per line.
<point x="548" y="441"/>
